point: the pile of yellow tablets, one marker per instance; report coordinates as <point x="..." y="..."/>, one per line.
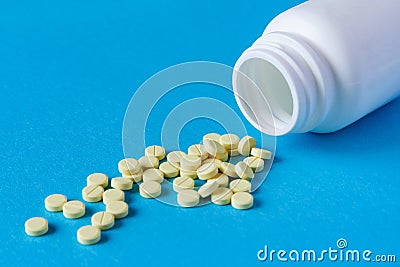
<point x="226" y="183"/>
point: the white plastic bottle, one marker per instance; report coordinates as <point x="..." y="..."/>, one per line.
<point x="321" y="66"/>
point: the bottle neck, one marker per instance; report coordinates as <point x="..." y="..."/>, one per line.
<point x="283" y="85"/>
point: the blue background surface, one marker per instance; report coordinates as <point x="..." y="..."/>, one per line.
<point x="67" y="72"/>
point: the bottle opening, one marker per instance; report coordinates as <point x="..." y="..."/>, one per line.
<point x="264" y="96"/>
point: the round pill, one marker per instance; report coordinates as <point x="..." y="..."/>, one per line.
<point x="135" y="178"/>
<point x="121" y="183"/>
<point x="169" y="170"/>
<point x="153" y="175"/>
<point x="207" y="171"/>
<point x="229" y="141"/>
<point x="245" y="145"/>
<point x="129" y="166"/>
<point x="240" y="185"/>
<point x="36" y="226"/>
<point x="150" y="189"/>
<point x="190" y="162"/>
<point x="103" y="220"/>
<point x="228" y="169"/>
<point x="214" y="148"/>
<point x="198" y="150"/>
<point x="221" y="196"/>
<point x="55" y="202"/>
<point x="97" y="179"/>
<point x="208" y="188"/>
<point x="92" y="193"/>
<point x="118" y="208"/>
<point x="233" y="152"/>
<point x="88" y="235"/>
<point x="256" y="164"/>
<point x="155" y="151"/>
<point x="185" y="173"/>
<point x="212" y="136"/>
<point x="221" y="179"/>
<point x="242" y="200"/>
<point x="243" y="171"/>
<point x="147" y="162"/>
<point x="188" y="198"/>
<point x="73" y="209"/>
<point x="111" y="195"/>
<point x="174" y="158"/>
<point x="182" y="183"/>
<point x="216" y="162"/>
<point x="261" y="153"/>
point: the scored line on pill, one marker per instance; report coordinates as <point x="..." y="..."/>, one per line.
<point x="253" y="159"/>
<point x="94" y="188"/>
<point x="181" y="182"/>
<point x="197" y="148"/>
<point x="102" y="218"/>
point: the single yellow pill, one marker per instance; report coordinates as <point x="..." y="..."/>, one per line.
<point x="153" y="175"/>
<point x="212" y="136"/>
<point x="261" y="153"/>
<point x="150" y="189"/>
<point x="155" y="151"/>
<point x="221" y="196"/>
<point x="229" y="141"/>
<point x="185" y="173"/>
<point x="121" y="183"/>
<point x="246" y="144"/>
<point x="207" y="171"/>
<point x="118" y="208"/>
<point x="221" y="179"/>
<point x="214" y="148"/>
<point x="198" y="150"/>
<point x="188" y="198"/>
<point x="36" y="226"/>
<point x="182" y="183"/>
<point x="228" y="169"/>
<point x="103" y="220"/>
<point x="242" y="200"/>
<point x="73" y="209"/>
<point x="148" y="162"/>
<point x="240" y="185"/>
<point x="88" y="235"/>
<point x="175" y="157"/>
<point x="243" y="171"/>
<point x="111" y="195"/>
<point x="169" y="170"/>
<point x="190" y="162"/>
<point x="129" y="166"/>
<point x="55" y="202"/>
<point x="92" y="193"/>
<point x="256" y="164"/>
<point x="207" y="189"/>
<point x="97" y="179"/>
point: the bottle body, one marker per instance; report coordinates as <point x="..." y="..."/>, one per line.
<point x="346" y="51"/>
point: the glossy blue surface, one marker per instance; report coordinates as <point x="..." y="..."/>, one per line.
<point x="67" y="72"/>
